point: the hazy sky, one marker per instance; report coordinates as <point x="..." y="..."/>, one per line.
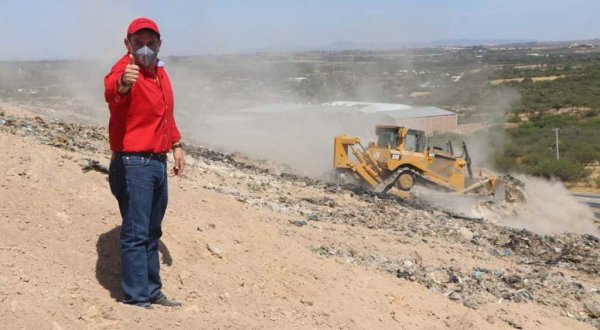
<point x="49" y="29"/>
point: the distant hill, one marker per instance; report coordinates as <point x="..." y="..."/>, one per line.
<point x="479" y="42"/>
<point x="350" y="45"/>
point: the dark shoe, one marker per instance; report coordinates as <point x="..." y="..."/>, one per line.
<point x="143" y="305"/>
<point x="164" y="301"/>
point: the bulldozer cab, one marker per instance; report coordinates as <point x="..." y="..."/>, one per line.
<point x="401" y="138"/>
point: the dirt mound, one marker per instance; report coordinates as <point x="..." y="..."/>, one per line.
<point x="251" y="245"/>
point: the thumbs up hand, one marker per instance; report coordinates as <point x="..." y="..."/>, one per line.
<point x="132" y="71"/>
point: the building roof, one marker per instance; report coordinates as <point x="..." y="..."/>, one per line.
<point x="276" y="108"/>
<point x="396" y="111"/>
<point x="419" y="112"/>
<point x="370" y="107"/>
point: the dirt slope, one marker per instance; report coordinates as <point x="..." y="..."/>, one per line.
<point x="59" y="255"/>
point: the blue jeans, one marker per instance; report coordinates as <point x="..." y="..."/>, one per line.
<point x="140" y="185"/>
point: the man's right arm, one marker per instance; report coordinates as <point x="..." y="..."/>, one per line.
<point x="111" y="85"/>
<point x="118" y="83"/>
<point x="123" y="87"/>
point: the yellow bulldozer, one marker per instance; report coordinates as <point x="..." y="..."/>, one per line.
<point x="401" y="158"/>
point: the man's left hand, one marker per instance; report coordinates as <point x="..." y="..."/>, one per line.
<point x="179" y="161"/>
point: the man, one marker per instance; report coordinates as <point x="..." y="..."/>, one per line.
<point x="142" y="131"/>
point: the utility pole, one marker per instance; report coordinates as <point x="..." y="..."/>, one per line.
<point x="557" y="151"/>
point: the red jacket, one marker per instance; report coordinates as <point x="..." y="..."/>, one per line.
<point x="141" y="120"/>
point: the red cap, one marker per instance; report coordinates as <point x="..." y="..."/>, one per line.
<point x="142" y="23"/>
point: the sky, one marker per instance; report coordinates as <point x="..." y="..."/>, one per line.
<point x="74" y="29"/>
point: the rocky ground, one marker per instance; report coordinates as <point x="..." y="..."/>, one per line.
<point x="249" y="244"/>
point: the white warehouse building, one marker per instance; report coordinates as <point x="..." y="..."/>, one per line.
<point x="427" y="118"/>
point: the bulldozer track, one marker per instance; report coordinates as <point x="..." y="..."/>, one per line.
<point x="387" y="184"/>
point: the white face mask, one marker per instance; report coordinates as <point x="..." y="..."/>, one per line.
<point x="145" y="56"/>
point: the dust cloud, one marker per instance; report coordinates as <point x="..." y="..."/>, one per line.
<point x="303" y="141"/>
<point x="551" y="209"/>
<point x="496" y="105"/>
<point x="216" y="97"/>
<point x="492" y="110"/>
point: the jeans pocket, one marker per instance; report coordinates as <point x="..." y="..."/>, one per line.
<point x="135" y="161"/>
<point x="115" y="177"/>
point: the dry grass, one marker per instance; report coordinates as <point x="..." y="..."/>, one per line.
<point x="520" y="80"/>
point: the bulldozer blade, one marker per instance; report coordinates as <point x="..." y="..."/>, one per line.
<point x="477" y="185"/>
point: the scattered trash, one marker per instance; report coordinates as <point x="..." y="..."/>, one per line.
<point x="299" y="223"/>
<point x="63" y="135"/>
<point x="593" y="309"/>
<point x="313" y="217"/>
<point x="405" y="273"/>
<point x="94" y="165"/>
<point x="324" y="201"/>
<point x="214" y="250"/>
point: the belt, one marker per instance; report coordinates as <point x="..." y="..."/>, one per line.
<point x="149" y="155"/>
